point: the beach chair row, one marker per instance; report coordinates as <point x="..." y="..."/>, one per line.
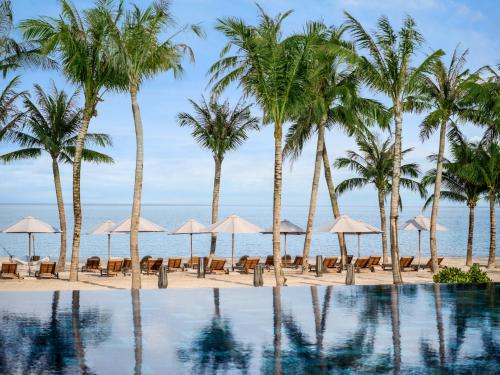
<point x="46" y="270"/>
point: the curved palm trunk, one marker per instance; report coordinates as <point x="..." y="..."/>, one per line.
<point x="396" y="180"/>
<point x="278" y="167"/>
<point x="215" y="206"/>
<point x="136" y="204"/>
<point x="470" y="237"/>
<point x="440" y="325"/>
<point x="493" y="232"/>
<point x="61" y="263"/>
<point x="383" y="225"/>
<point x="77" y="337"/>
<point x="334" y="201"/>
<point x="314" y="197"/>
<point x="77" y="207"/>
<point x="435" y="201"/>
<point x="136" y="316"/>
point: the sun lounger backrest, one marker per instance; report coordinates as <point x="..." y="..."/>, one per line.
<point x="218" y="264"/>
<point x="250" y="263"/>
<point x="361" y="262"/>
<point x="329" y="262"/>
<point x="269" y="260"/>
<point x="195" y="261"/>
<point x="144" y="261"/>
<point x="173" y="263"/>
<point x="440" y="259"/>
<point x="127" y="263"/>
<point x="115" y="265"/>
<point x="349" y="259"/>
<point x="375" y="261"/>
<point x="93" y="263"/>
<point x="298" y="261"/>
<point x="9" y="268"/>
<point x="405" y="262"/>
<point x="47" y="268"/>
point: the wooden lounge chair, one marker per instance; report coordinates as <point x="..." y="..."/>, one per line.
<point x="126" y="266"/>
<point x="174" y="264"/>
<point x="47" y="271"/>
<point x="144" y="262"/>
<point x="329" y="264"/>
<point x="362" y="263"/>
<point x="93" y="264"/>
<point x="241" y="262"/>
<point x="153" y="266"/>
<point x="297" y="262"/>
<point x="113" y="268"/>
<point x="217" y="266"/>
<point x="250" y="264"/>
<point x="286" y="260"/>
<point x="404" y="264"/>
<point x="269" y="262"/>
<point x="192" y="263"/>
<point x="9" y="271"/>
<point x="375" y="262"/>
<point x="428" y="264"/>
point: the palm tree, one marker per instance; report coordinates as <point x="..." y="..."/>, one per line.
<point x="80" y="42"/>
<point x="139" y="53"/>
<point x="10" y="114"/>
<point x="444" y="89"/>
<point x="271" y="68"/>
<point x="52" y="124"/>
<point x="387" y="69"/>
<point x="373" y="164"/>
<point x="219" y="129"/>
<point x="333" y="91"/>
<point x="458" y="188"/>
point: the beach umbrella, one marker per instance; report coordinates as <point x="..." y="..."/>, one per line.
<point x="145" y="225"/>
<point x="105" y="228"/>
<point x="344" y="224"/>
<point x="420" y="223"/>
<point x="190" y="227"/>
<point x="233" y="224"/>
<point x="30" y="225"/>
<point x="286" y="227"/>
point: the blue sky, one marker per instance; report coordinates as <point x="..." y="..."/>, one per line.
<point x="176" y="169"/>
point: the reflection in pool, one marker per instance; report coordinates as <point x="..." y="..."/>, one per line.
<point x="316" y="330"/>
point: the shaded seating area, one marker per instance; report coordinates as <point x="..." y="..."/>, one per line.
<point x="93" y="264"/>
<point x="9" y="271"/>
<point x="47" y="270"/>
<point x="113" y="268"/>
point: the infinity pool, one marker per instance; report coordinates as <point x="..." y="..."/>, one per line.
<point x="316" y="330"/>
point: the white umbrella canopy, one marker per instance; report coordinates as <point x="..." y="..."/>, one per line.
<point x="105" y="227"/>
<point x="233" y="224"/>
<point x="30" y="225"/>
<point x="145" y="225"/>
<point x="190" y="227"/>
<point x="345" y="224"/>
<point x="420" y="223"/>
<point x="286" y="228"/>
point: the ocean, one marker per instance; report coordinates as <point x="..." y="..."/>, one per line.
<point x="450" y="243"/>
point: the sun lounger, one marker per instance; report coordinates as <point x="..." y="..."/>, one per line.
<point x="174" y="264"/>
<point x="329" y="264"/>
<point x="113" y="268"/>
<point x="297" y="262"/>
<point x="9" y="271"/>
<point x="47" y="271"/>
<point x="153" y="265"/>
<point x="241" y="262"/>
<point x="192" y="263"/>
<point x="362" y="264"/>
<point x="286" y="260"/>
<point x="269" y="262"/>
<point x="93" y="264"/>
<point x="217" y="266"/>
<point x="126" y="266"/>
<point x="428" y="264"/>
<point x="375" y="262"/>
<point x="144" y="262"/>
<point x="404" y="264"/>
<point x="250" y="264"/>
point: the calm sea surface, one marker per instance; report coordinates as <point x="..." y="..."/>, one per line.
<point x="450" y="243"/>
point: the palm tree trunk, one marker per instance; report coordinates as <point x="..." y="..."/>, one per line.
<point x="278" y="167"/>
<point x="396" y="331"/>
<point x="314" y="196"/>
<point x="470" y="237"/>
<point x="396" y="180"/>
<point x="383" y="225"/>
<point x="493" y="232"/>
<point x="61" y="263"/>
<point x="215" y="206"/>
<point x="277" y="329"/>
<point x="334" y="201"/>
<point x="439" y="324"/>
<point x="435" y="201"/>
<point x="77" y="337"/>
<point x="137" y="322"/>
<point x="77" y="207"/>
<point x="136" y="204"/>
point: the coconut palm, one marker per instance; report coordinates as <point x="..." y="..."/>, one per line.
<point x="457" y="188"/>
<point x="271" y="68"/>
<point x="333" y="91"/>
<point x="219" y="129"/>
<point x="387" y="69"/>
<point x="52" y="124"/>
<point x="139" y="53"/>
<point x="10" y="114"/>
<point x="79" y="41"/>
<point x="373" y="164"/>
<point x="445" y="89"/>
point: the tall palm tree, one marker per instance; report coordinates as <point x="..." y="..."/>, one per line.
<point x="80" y="42"/>
<point x="271" y="68"/>
<point x="387" y="69"/>
<point x="52" y="124"/>
<point x="10" y="114"/>
<point x="444" y="89"/>
<point x="332" y="87"/>
<point x="373" y="164"/>
<point x="219" y="129"/>
<point x="139" y="53"/>
<point x="457" y="187"/>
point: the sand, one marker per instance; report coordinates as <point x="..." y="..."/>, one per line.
<point x="188" y="279"/>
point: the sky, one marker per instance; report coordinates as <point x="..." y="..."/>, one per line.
<point x="176" y="169"/>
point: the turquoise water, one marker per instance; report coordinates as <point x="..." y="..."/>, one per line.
<point x="450" y="243"/>
<point x="416" y="329"/>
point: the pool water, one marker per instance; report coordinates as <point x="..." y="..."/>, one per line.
<point x="440" y="329"/>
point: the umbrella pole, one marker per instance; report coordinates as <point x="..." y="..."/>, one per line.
<point x="29" y="254"/>
<point x="419" y="233"/>
<point x="358" y="246"/>
<point x="191" y="247"/>
<point x="109" y="246"/>
<point x="284" y="246"/>
<point x="232" y="251"/>
<point x="33" y="243"/>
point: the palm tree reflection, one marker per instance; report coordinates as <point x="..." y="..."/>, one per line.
<point x="136" y="318"/>
<point x="215" y="348"/>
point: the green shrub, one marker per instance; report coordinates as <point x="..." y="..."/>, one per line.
<point x="451" y="275"/>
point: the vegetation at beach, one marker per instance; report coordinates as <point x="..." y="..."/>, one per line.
<point x="453" y="275"/>
<point x="318" y="80"/>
